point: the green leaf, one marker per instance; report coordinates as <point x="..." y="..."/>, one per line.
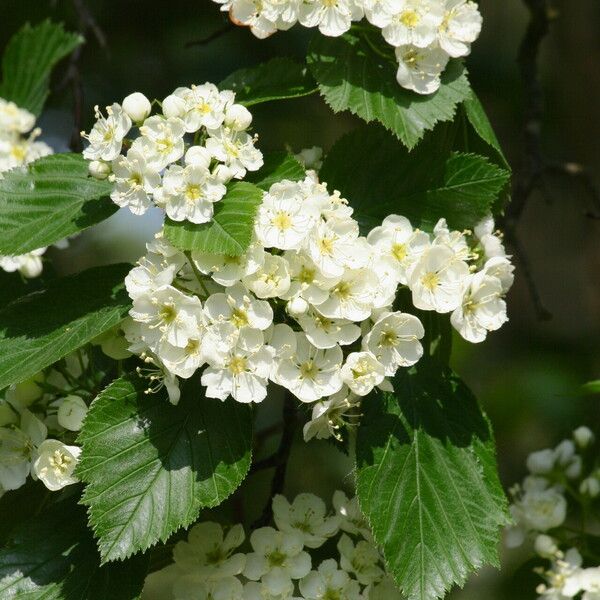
<point x="53" y="557"/>
<point x="427" y="481"/>
<point x="229" y="232"/>
<point x="278" y="166"/>
<point x="28" y="60"/>
<point x="277" y="79"/>
<point x="424" y="185"/>
<point x="591" y="387"/>
<point x="476" y="116"/>
<point x="40" y="328"/>
<point x="49" y="200"/>
<point x="351" y="76"/>
<point x="150" y="466"/>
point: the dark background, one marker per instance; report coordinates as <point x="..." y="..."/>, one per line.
<point x="527" y="375"/>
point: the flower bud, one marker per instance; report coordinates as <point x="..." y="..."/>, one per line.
<point x="590" y="487"/>
<point x="173" y="106"/>
<point x="297" y="306"/>
<point x="583" y="436"/>
<point x="137" y="107"/>
<point x="27" y="392"/>
<point x="545" y="546"/>
<point x="223" y="174"/>
<point x="198" y="156"/>
<point x="99" y="169"/>
<point x="238" y="117"/>
<point x="541" y="462"/>
<point x="573" y="470"/>
<point x="564" y="452"/>
<point x="71" y="413"/>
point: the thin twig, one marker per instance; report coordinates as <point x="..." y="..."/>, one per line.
<point x="280" y="459"/>
<point x="212" y="37"/>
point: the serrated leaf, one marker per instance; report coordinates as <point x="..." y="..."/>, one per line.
<point x="28" y="60"/>
<point x="424" y="185"/>
<point x="150" y="466"/>
<point x="229" y="232"/>
<point x="53" y="557"/>
<point x="351" y="76"/>
<point x="278" y="166"/>
<point x="40" y="328"/>
<point x="49" y="200"/>
<point x="427" y="481"/>
<point x="277" y="79"/>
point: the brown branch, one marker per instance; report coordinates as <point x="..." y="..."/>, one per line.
<point x="278" y="460"/>
<point x="212" y="37"/>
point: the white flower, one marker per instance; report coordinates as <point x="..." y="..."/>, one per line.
<point x="168" y="315"/>
<point x="310" y="158"/>
<point x="482" y="309"/>
<point x="311" y="373"/>
<point x="455" y="240"/>
<point x="251" y="13"/>
<point x="362" y="372"/>
<point x="501" y="268"/>
<point x="541" y="462"/>
<point x="15" y="119"/>
<point x="235" y="149"/>
<point x="489" y="240"/>
<point x="209" y="552"/>
<point x="242" y="372"/>
<point x="460" y="28"/>
<point x="331" y="246"/>
<point x="352" y="520"/>
<point x="419" y="69"/>
<point x="107" y="134"/>
<point x="195" y="587"/>
<point x="55" y="464"/>
<point x="271" y="279"/>
<point x="329" y="582"/>
<point x="410" y="22"/>
<point x="98" y="169"/>
<point x="330" y="415"/>
<point x="72" y="412"/>
<point x="306" y="516"/>
<point x="161" y="141"/>
<point x="394" y="340"/>
<point x="152" y="272"/>
<point x="276" y="552"/>
<point x="284" y="219"/>
<point x="29" y="265"/>
<point x="438" y="280"/>
<point x="540" y="507"/>
<point x="204" y="106"/>
<point x="362" y="560"/>
<point x="228" y="270"/>
<point x="137" y="107"/>
<point x="583" y="436"/>
<point x="183" y="361"/>
<point x="323" y="332"/>
<point x="188" y="193"/>
<point x="332" y="17"/>
<point x="135" y="182"/>
<point x="238" y="117"/>
<point x="16" y="151"/>
<point x="352" y="297"/>
<point x="239" y="307"/>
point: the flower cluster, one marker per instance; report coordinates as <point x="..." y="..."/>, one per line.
<point x="18" y="147"/>
<point x="181" y="159"/>
<point x="561" y="480"/>
<point x="278" y="562"/>
<point x="39" y="420"/>
<point x="424" y="33"/>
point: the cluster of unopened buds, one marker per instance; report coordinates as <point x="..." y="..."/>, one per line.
<point x="279" y="562"/>
<point x="424" y="33"/>
<point x="561" y="481"/>
<point x="19" y="146"/>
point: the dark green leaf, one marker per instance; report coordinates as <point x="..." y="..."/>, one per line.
<point x="39" y="329"/>
<point x="351" y="76"/>
<point x="378" y="176"/>
<point x="229" y="232"/>
<point x="278" y="79"/>
<point x="427" y="481"/>
<point x="28" y="61"/>
<point x="53" y="557"/>
<point x="151" y="466"/>
<point x="278" y="166"/>
<point x="49" y="200"/>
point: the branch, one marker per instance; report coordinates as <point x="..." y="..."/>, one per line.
<point x="212" y="37"/>
<point x="278" y="460"/>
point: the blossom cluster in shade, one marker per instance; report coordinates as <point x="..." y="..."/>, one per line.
<point x="424" y="33"/>
<point x="180" y="159"/>
<point x="562" y="481"/>
<point x="280" y="562"/>
<point x="19" y="146"/>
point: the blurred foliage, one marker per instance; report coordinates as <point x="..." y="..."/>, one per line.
<point x="528" y="375"/>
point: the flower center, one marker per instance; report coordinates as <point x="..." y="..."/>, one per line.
<point x="168" y="313"/>
<point x="308" y="370"/>
<point x="326" y="246"/>
<point x="360" y="369"/>
<point x="410" y="18"/>
<point x="399" y="252"/>
<point x="388" y="338"/>
<point x="60" y="462"/>
<point x="276" y="558"/>
<point x="430" y="280"/>
<point x="343" y="290"/>
<point x="239" y="317"/>
<point x="237" y="365"/>
<point x="282" y="221"/>
<point x="193" y="192"/>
